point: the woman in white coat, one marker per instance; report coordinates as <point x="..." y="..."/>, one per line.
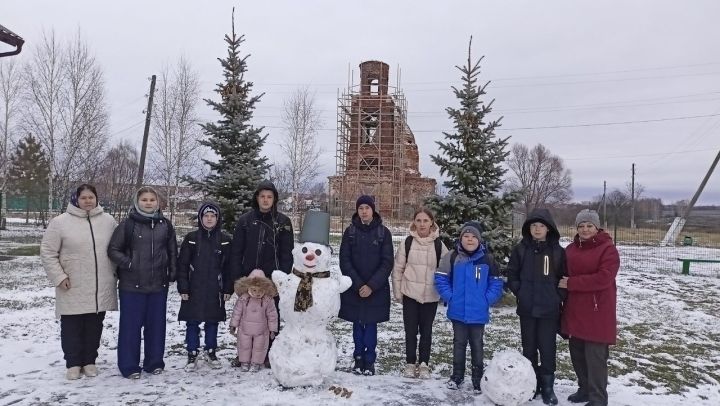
<point x="74" y="255"/>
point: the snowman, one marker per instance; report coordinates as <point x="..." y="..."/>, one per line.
<point x="305" y="352"/>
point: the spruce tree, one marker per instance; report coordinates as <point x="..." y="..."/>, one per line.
<point x="471" y="157"/>
<point x="28" y="174"/>
<point x="237" y="144"/>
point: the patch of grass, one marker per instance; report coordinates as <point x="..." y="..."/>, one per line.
<point x="29" y="250"/>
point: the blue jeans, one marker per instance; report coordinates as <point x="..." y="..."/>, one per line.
<point x="192" y="335"/>
<point x="365" y="339"/>
<point x="142" y="315"/>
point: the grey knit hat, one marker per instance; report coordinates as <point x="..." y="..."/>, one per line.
<point x="588" y="216"/>
<point x="472" y="227"/>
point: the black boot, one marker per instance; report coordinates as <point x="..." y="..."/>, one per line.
<point x="477" y="373"/>
<point x="538" y="387"/>
<point x="359" y="366"/>
<point x="548" y="393"/>
<point x="579" y="397"/>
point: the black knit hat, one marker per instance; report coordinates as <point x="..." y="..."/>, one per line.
<point x="365" y="199"/>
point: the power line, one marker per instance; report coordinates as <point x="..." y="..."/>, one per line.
<point x="640" y="155"/>
<point x="608" y="123"/>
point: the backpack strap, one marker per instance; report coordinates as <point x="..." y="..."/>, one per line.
<point x="408" y="243"/>
<point x="453" y="257"/>
<point x="438" y="251"/>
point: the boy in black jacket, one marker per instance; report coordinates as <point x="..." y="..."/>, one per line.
<point x="536" y="266"/>
<point x="204" y="283"/>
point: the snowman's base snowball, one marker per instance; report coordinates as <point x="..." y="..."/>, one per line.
<point x="303" y="357"/>
<point x="509" y="379"/>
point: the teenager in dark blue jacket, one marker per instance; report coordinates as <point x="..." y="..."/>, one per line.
<point x="468" y="280"/>
<point x="366" y="256"/>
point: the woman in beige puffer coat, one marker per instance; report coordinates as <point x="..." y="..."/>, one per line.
<point x="74" y="255"/>
<point x="413" y="282"/>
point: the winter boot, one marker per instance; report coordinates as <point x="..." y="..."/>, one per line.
<point x="454" y="382"/>
<point x="423" y="371"/>
<point x="369" y="370"/>
<point x="410" y="371"/>
<point x="90" y="370"/>
<point x="244" y="367"/>
<point x="359" y="366"/>
<point x="256" y="367"/>
<point x="235" y="363"/>
<point x="192" y="361"/>
<point x="538" y="387"/>
<point x="72" y="373"/>
<point x="548" y="393"/>
<point x="212" y="359"/>
<point x="477" y="373"/>
<point x="579" y="397"/>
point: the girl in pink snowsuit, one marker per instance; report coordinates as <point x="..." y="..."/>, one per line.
<point x="254" y="319"/>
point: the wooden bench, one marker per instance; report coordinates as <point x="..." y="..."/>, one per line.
<point x="686" y="263"/>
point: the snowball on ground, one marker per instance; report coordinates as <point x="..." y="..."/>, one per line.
<point x="509" y="379"/>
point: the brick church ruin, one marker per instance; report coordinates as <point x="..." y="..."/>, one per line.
<point x="376" y="150"/>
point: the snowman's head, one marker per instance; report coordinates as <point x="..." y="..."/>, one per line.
<point x="311" y="257"/>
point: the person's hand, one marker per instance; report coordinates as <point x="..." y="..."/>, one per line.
<point x="272" y="335"/>
<point x="184" y="296"/>
<point x="563" y="282"/>
<point x="65" y="284"/>
<point x="398" y="300"/>
<point x="365" y="291"/>
<point x="226" y="297"/>
<point x="233" y="331"/>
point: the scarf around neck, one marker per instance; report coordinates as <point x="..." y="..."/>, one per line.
<point x="303" y="297"/>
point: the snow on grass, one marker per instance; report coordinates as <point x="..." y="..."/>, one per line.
<point x="668" y="352"/>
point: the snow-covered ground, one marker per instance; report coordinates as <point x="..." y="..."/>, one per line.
<point x="668" y="351"/>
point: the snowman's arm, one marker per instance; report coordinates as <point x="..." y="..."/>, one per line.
<point x="280" y="278"/>
<point x="344" y="283"/>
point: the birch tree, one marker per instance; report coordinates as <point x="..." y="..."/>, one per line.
<point x="66" y="109"/>
<point x="10" y="94"/>
<point x="175" y="130"/>
<point x="301" y="120"/>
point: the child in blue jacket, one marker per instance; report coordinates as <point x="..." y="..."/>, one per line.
<point x="468" y="280"/>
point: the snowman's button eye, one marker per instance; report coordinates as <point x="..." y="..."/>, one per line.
<point x="304" y="250"/>
<point x="318" y="252"/>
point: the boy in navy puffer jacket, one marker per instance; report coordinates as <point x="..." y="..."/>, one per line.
<point x="468" y="280"/>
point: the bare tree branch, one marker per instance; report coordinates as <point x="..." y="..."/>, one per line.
<point x="301" y="120"/>
<point x="540" y="177"/>
<point x="176" y="131"/>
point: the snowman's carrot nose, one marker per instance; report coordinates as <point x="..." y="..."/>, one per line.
<point x="310" y="257"/>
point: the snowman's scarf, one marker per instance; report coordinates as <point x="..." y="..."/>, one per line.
<point x="303" y="297"/>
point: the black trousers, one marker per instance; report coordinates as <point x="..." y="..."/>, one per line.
<point x="539" y="336"/>
<point x="418" y="318"/>
<point x="462" y="334"/>
<point x="590" y="361"/>
<point x="80" y="338"/>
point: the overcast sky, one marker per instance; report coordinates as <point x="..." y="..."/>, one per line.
<point x="563" y="73"/>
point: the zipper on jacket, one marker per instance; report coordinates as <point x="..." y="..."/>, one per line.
<point x="546" y="265"/>
<point x="595" y="302"/>
<point x="92" y="235"/>
<point x="259" y="246"/>
<point x="152" y="251"/>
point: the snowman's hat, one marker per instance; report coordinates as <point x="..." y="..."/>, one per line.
<point x="316" y="228"/>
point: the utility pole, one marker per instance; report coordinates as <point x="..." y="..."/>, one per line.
<point x="604" y="204"/>
<point x="632" y="199"/>
<point x="146" y="133"/>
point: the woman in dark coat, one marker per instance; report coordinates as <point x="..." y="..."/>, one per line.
<point x="589" y="317"/>
<point x="536" y="265"/>
<point x="144" y="249"/>
<point x="204" y="282"/>
<point x="366" y="256"/>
